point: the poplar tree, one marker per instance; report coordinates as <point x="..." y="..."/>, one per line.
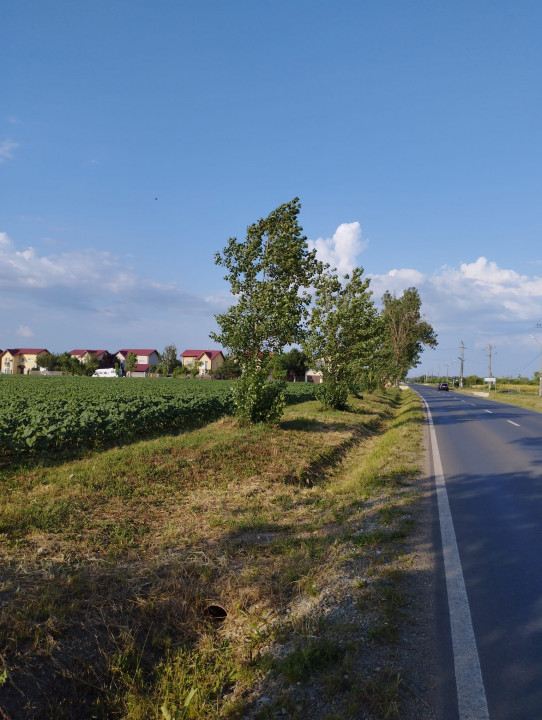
<point x="406" y="332"/>
<point x="344" y="336"/>
<point x="270" y="274"/>
<point x="169" y="359"/>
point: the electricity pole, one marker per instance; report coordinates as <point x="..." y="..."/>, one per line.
<point x="462" y="359"/>
<point x="489" y="354"/>
<point x="539" y="325"/>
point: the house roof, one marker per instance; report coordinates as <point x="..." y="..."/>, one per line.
<point x="90" y="352"/>
<point x="142" y="367"/>
<point x="198" y="353"/>
<point x="125" y="351"/>
<point x="24" y="351"/>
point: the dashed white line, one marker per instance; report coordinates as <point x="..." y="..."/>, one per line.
<point x="488" y="411"/>
<point x="471" y="694"/>
<point x="513" y="423"/>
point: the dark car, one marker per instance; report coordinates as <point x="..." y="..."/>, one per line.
<point x="442" y="386"/>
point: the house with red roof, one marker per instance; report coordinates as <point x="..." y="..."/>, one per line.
<point x="145" y="359"/>
<point x="209" y="360"/>
<point x="84" y="355"/>
<point x="19" y="361"/>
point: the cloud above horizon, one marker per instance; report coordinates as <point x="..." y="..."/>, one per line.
<point x="6" y="150"/>
<point x="83" y="278"/>
<point x="341" y="250"/>
<point x="480" y="303"/>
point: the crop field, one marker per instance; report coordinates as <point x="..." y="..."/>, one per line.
<point x="54" y="413"/>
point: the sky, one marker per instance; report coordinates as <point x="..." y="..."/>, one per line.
<point x="137" y="137"/>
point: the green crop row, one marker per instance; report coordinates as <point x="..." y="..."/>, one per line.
<point x="52" y="413"/>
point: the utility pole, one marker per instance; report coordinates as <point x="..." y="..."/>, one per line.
<point x="539" y="325"/>
<point x="489" y="353"/>
<point x="462" y="359"/>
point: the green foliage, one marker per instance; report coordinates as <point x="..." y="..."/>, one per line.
<point x="333" y="395"/>
<point x="130" y="363"/>
<point x="256" y="399"/>
<point x="53" y="413"/>
<point x="169" y="359"/>
<point x="313" y="656"/>
<point x="47" y="360"/>
<point x="90" y="367"/>
<point x="290" y="365"/>
<point x="269" y="275"/>
<point x="406" y="332"/>
<point x="194" y="369"/>
<point x="230" y="368"/>
<point x="344" y="337"/>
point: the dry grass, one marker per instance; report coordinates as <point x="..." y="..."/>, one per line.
<point x="521" y="396"/>
<point x="112" y="563"/>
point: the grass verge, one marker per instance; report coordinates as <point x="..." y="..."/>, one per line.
<point x="530" y="400"/>
<point x="225" y="572"/>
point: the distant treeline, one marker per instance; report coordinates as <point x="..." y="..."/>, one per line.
<point x="471" y="380"/>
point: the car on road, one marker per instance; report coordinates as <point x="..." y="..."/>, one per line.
<point x="442" y="386"/>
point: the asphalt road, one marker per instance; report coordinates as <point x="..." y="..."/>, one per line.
<point x="491" y="462"/>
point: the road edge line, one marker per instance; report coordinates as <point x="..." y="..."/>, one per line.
<point x="471" y="694"/>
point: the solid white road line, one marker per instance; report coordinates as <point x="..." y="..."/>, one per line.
<point x="513" y="423"/>
<point x="471" y="694"/>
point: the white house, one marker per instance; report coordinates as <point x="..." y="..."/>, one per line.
<point x="144" y="359"/>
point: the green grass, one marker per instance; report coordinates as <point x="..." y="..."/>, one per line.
<point x="111" y="559"/>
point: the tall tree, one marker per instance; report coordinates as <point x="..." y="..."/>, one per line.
<point x="229" y="369"/>
<point x="269" y="274"/>
<point x="289" y="365"/>
<point x="345" y="333"/>
<point x="91" y="365"/>
<point x="169" y="359"/>
<point x="406" y="332"/>
<point x="47" y="360"/>
<point x="130" y="363"/>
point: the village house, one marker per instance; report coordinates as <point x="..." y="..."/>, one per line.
<point x="19" y="361"/>
<point x="84" y="355"/>
<point x="208" y="360"/>
<point x="145" y="359"/>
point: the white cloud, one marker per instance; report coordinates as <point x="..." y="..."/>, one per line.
<point x="6" y="150"/>
<point x="83" y="278"/>
<point x="342" y="249"/>
<point x="24" y="331"/>
<point x="395" y="281"/>
<point x="92" y="298"/>
<point x="482" y="287"/>
<point x="480" y="303"/>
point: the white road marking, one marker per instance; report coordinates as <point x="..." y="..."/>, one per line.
<point x="488" y="411"/>
<point x="513" y="423"/>
<point x="471" y="694"/>
<point x="474" y="405"/>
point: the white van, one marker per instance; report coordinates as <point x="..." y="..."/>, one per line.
<point x="106" y="372"/>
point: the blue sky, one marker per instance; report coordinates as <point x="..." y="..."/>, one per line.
<point x="136" y="137"/>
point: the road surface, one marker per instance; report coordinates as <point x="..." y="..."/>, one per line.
<point x="487" y="462"/>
